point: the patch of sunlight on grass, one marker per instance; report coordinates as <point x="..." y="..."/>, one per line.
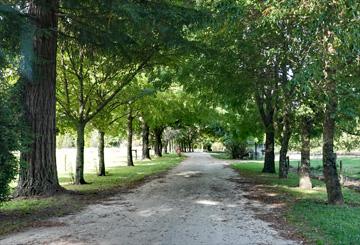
<point x="124" y="175"/>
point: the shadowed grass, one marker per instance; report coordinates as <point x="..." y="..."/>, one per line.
<point x="319" y="222"/>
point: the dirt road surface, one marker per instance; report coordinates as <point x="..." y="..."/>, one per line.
<point x="195" y="203"/>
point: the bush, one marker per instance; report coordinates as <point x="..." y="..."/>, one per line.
<point x="9" y="135"/>
<point x="235" y="149"/>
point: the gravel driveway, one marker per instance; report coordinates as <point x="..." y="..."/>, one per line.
<point x="195" y="203"/>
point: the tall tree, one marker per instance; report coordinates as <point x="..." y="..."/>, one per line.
<point x="304" y="171"/>
<point x="145" y="133"/>
<point x="114" y="42"/>
<point x="130" y="132"/>
<point x="38" y="176"/>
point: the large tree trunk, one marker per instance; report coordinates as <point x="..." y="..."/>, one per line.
<point x="283" y="168"/>
<point x="145" y="140"/>
<point x="80" y="146"/>
<point x="39" y="175"/>
<point x="267" y="109"/>
<point x="158" y="141"/>
<point x="304" y="171"/>
<point x="101" y="155"/>
<point x="329" y="160"/>
<point x="130" y="119"/>
<point x="269" y="162"/>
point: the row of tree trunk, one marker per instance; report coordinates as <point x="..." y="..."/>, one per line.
<point x="39" y="175"/>
<point x="267" y="109"/>
<point x="145" y="134"/>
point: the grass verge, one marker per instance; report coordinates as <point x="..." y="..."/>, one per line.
<point x="18" y="214"/>
<point x="351" y="166"/>
<point x="307" y="210"/>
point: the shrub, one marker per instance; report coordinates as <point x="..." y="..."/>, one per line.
<point x="9" y="142"/>
<point x="235" y="148"/>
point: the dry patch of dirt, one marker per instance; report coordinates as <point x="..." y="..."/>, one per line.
<point x="67" y="202"/>
<point x="277" y="202"/>
<point x="195" y="203"/>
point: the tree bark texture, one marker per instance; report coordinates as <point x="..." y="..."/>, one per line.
<point x="269" y="162"/>
<point x="38" y="176"/>
<point x="158" y="141"/>
<point x="304" y="171"/>
<point x="267" y="109"/>
<point x="332" y="182"/>
<point x="285" y="138"/>
<point x="145" y="140"/>
<point x="80" y="146"/>
<point x="130" y="119"/>
<point x="101" y="154"/>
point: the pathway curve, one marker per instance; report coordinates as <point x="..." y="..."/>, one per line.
<point x="195" y="203"/>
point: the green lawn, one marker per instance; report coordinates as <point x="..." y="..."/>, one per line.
<point x="19" y="213"/>
<point x="120" y="176"/>
<point x="351" y="165"/>
<point x="308" y="211"/>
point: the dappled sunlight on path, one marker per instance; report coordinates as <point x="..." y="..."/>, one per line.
<point x="196" y="203"/>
